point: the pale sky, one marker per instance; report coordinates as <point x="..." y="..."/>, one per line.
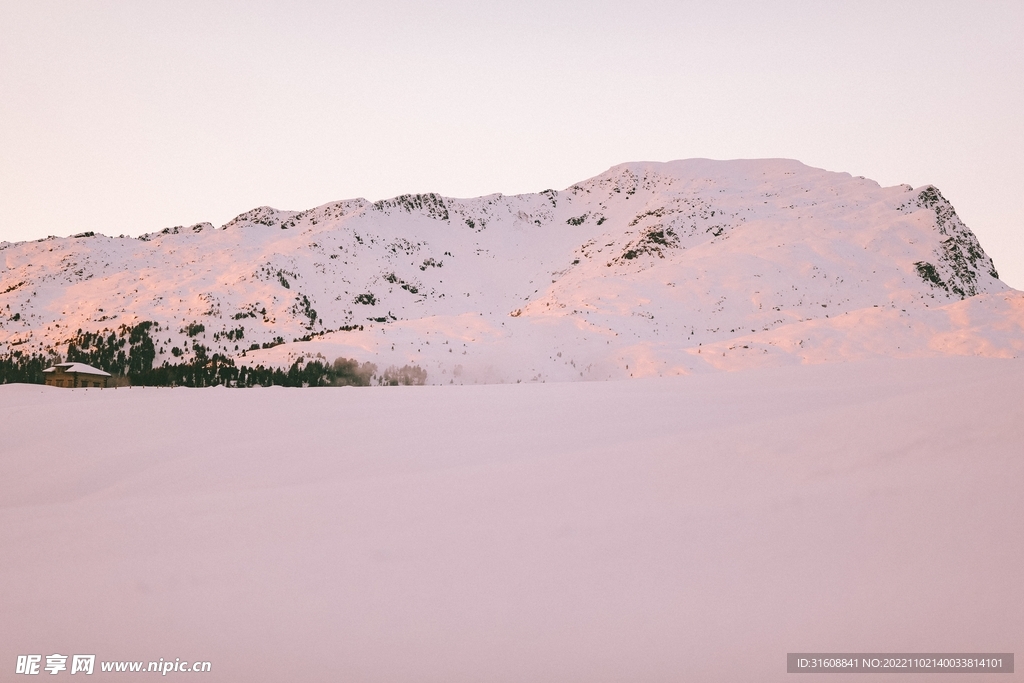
<point x="127" y="117"/>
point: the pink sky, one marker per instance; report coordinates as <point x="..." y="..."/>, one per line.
<point x="129" y="117"/>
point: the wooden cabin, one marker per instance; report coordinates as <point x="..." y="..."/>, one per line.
<point x="72" y="375"/>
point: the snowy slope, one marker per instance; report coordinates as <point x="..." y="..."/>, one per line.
<point x="646" y="269"/>
<point x="659" y="530"/>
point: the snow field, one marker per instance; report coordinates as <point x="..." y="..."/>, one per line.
<point x="672" y="529"/>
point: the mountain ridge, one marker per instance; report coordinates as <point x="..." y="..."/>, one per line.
<point x="648" y="268"/>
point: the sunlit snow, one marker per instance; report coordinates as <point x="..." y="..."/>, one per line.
<point x="647" y="269"/>
<point x="668" y="529"/>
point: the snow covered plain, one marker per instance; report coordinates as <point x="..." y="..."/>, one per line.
<point x="667" y="529"/>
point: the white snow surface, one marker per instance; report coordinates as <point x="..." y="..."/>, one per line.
<point x="647" y="269"/>
<point x="663" y="529"/>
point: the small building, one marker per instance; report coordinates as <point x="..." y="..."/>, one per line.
<point x="76" y="375"/>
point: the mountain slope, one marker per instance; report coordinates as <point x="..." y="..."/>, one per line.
<point x="648" y="268"/>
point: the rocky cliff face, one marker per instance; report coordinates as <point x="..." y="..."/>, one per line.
<point x="646" y="269"/>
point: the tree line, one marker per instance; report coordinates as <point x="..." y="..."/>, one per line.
<point x="129" y="353"/>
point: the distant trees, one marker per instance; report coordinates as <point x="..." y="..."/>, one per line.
<point x="25" y="368"/>
<point x="128" y="350"/>
<point x="407" y="375"/>
<point x="218" y="370"/>
<point x="193" y="329"/>
<point x="128" y="354"/>
<point x="143" y="351"/>
<point x="350" y="373"/>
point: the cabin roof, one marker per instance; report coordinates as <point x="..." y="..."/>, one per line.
<point x="79" y="368"/>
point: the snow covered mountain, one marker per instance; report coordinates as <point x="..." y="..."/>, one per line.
<point x="647" y="269"/>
